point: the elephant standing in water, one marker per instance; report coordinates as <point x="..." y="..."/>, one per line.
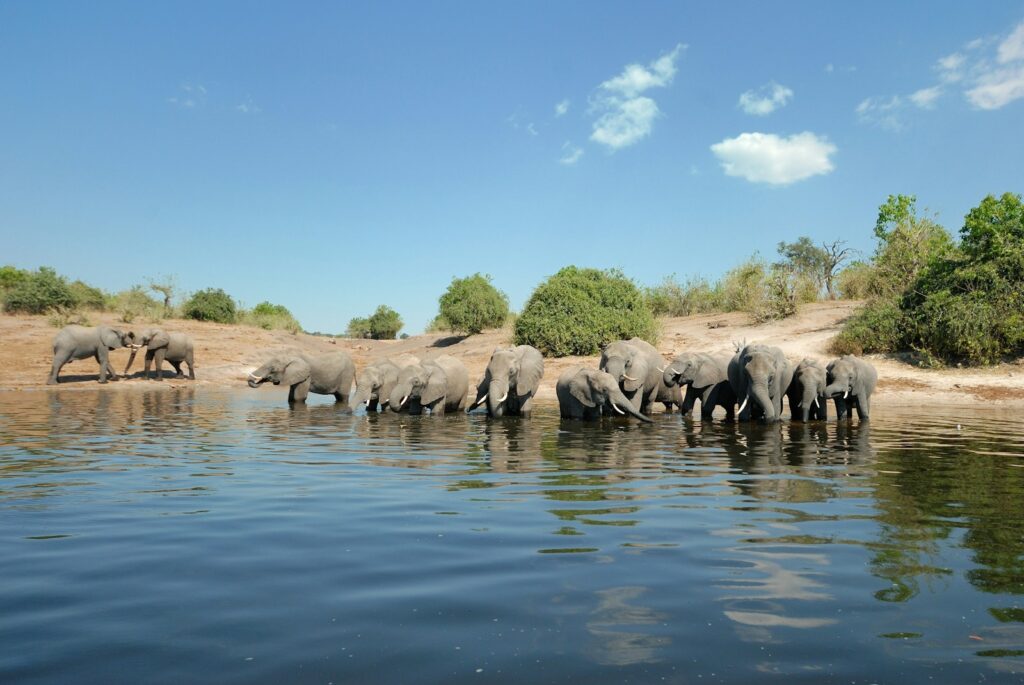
<point x="325" y="374"/>
<point x="438" y="384"/>
<point x="760" y="375"/>
<point x="851" y="377"/>
<point x="80" y="342"/>
<point x="637" y="367"/>
<point x="511" y="381"/>
<point x="705" y="378"/>
<point x="583" y="393"/>
<point x="375" y="381"/>
<point x="806" y="392"/>
<point x="160" y="345"/>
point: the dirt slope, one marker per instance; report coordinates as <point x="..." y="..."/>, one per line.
<point x="226" y="354"/>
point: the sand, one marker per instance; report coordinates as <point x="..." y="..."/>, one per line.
<point x="226" y="354"/>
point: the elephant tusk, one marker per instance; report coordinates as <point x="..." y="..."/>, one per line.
<point x="503" y="397"/>
<point x="402" y="403"/>
<point x="367" y="403"/>
<point x="628" y="378"/>
<point x="254" y="377"/>
<point x="743" y="406"/>
<point x="815" y="400"/>
<point x="845" y="393"/>
<point x="661" y="370"/>
<point x="478" y="402"/>
<point x="617" y="409"/>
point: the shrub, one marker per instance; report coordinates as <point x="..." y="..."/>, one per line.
<point x="438" y="325"/>
<point x="577" y="311"/>
<point x="61" y="317"/>
<point x="269" y="316"/>
<point x="384" y="323"/>
<point x="778" y="294"/>
<point x="672" y="298"/>
<point x="39" y="292"/>
<point x="11" y="276"/>
<point x="854" y="282"/>
<point x="878" y="327"/>
<point x="212" y="304"/>
<point x="742" y="287"/>
<point x="88" y="297"/>
<point x="134" y="303"/>
<point x="472" y="304"/>
<point x="358" y="327"/>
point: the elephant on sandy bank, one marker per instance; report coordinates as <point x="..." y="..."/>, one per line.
<point x="161" y="345"/>
<point x="81" y="342"/>
<point x="584" y="393"/>
<point x="705" y="378"/>
<point x="854" y="379"/>
<point x="510" y="381"/>
<point x="637" y="368"/>
<point x="759" y="376"/>
<point x="806" y="392"/>
<point x="438" y="384"/>
<point x="375" y="381"/>
<point x="324" y="374"/>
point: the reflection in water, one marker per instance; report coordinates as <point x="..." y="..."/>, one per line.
<point x="228" y="535"/>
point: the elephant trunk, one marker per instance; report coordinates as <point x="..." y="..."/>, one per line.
<point x="837" y="388"/>
<point x="497" y="396"/>
<point x="398" y="397"/>
<point x="622" y="405"/>
<point x="809" y="401"/>
<point x="760" y="395"/>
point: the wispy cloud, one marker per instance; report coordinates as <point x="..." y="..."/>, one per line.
<point x="189" y="96"/>
<point x="926" y="97"/>
<point x="884" y="112"/>
<point x="519" y="121"/>
<point x="570" y="154"/>
<point x="765" y="99"/>
<point x="248" y="107"/>
<point x="562" y="108"/>
<point x="776" y="160"/>
<point x="626" y="116"/>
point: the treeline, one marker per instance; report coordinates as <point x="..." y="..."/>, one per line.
<point x="44" y="291"/>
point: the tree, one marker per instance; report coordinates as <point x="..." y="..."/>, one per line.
<point x="358" y="327"/>
<point x="835" y="256"/>
<point x="166" y="286"/>
<point x="212" y="304"/>
<point x="993" y="228"/>
<point x="818" y="264"/>
<point x="39" y="292"/>
<point x="384" y="323"/>
<point x="472" y="304"/>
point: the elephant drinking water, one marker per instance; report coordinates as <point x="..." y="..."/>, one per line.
<point x="438" y="384"/>
<point x="375" y="381"/>
<point x="851" y="378"/>
<point x="637" y="367"/>
<point x="705" y="378"/>
<point x="806" y="392"/>
<point x="325" y="374"/>
<point x="760" y="375"/>
<point x="510" y="381"/>
<point x="585" y="393"/>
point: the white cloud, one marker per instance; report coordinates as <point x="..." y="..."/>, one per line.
<point x="950" y="67"/>
<point x="570" y="154"/>
<point x="562" y="107"/>
<point x="519" y="121"/>
<point x="882" y="112"/>
<point x="926" y="97"/>
<point x="768" y="158"/>
<point x="997" y="88"/>
<point x="189" y="97"/>
<point x="626" y="116"/>
<point x="1012" y="49"/>
<point x="765" y="99"/>
<point x="248" y="107"/>
<point x="829" y="68"/>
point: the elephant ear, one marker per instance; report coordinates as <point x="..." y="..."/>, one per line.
<point x="436" y="387"/>
<point x="530" y="372"/>
<point x="706" y="375"/>
<point x="579" y="387"/>
<point x="111" y="338"/>
<point x="296" y="371"/>
<point x="159" y="339"/>
<point x="638" y="370"/>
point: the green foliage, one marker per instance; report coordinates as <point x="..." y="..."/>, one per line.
<point x="87" y="296"/>
<point x="855" y="281"/>
<point x="693" y="296"/>
<point x="62" y="316"/>
<point x="269" y="317"/>
<point x="38" y="292"/>
<point x="134" y="303"/>
<point x="993" y="228"/>
<point x="577" y="311"/>
<point x="166" y="286"/>
<point x="906" y="245"/>
<point x="878" y="327"/>
<point x="212" y="304"/>
<point x="383" y="324"/>
<point x="779" y="293"/>
<point x="11" y="276"/>
<point x="897" y="210"/>
<point x="438" y="325"/>
<point x="472" y="304"/>
<point x="740" y="288"/>
<point x="358" y="327"/>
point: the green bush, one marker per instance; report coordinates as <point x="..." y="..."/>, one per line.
<point x="269" y="317"/>
<point x="133" y="304"/>
<point x="212" y="304"/>
<point x="878" y="327"/>
<point x="38" y="292"/>
<point x="742" y="287"/>
<point x="778" y="295"/>
<point x="472" y="304"/>
<point x="855" y="281"/>
<point x="577" y="311"/>
<point x="358" y="327"/>
<point x="694" y="296"/>
<point x="88" y="297"/>
<point x="383" y="324"/>
<point x="11" y="276"/>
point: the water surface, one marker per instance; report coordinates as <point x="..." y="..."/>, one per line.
<point x="205" y="536"/>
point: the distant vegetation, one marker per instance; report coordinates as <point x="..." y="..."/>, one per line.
<point x="472" y="304"/>
<point x="383" y="324"/>
<point x="576" y="311"/>
<point x="269" y="316"/>
<point x="212" y="304"/>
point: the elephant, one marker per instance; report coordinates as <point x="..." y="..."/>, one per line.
<point x="705" y="378"/>
<point x="437" y="384"/>
<point x="583" y="393"/>
<point x="325" y="374"/>
<point x="637" y="367"/>
<point x="160" y="345"/>
<point x="510" y="381"/>
<point x="375" y="381"/>
<point x="806" y="392"/>
<point x="80" y="342"/>
<point x="759" y="376"/>
<point x="853" y="377"/>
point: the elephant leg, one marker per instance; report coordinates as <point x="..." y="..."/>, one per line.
<point x="298" y="392"/>
<point x="863" y="407"/>
<point x="104" y="361"/>
<point x="59" y="360"/>
<point x="822" y="409"/>
<point x="177" y="369"/>
<point x="840" y="408"/>
<point x="688" y="401"/>
<point x="191" y="361"/>
<point x="707" y="403"/>
<point x="158" y="361"/>
<point x="342" y="399"/>
<point x="146" y="363"/>
<point x="371" y="406"/>
<point x="526" y="406"/>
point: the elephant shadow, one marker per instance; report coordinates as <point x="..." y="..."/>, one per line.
<point x="82" y="378"/>
<point x="448" y="341"/>
<point x="167" y="374"/>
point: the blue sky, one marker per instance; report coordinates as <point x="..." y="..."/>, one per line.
<point x="335" y="156"/>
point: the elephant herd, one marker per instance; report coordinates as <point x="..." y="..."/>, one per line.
<point x="630" y="378"/>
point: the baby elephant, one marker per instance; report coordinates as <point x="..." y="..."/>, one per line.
<point x="806" y="392"/>
<point x="161" y="345"/>
<point x="438" y="384"/>
<point x="325" y="374"/>
<point x="511" y="381"/>
<point x="584" y="393"/>
<point x="79" y="342"/>
<point x="375" y="381"/>
<point x="705" y="378"/>
<point x="855" y="379"/>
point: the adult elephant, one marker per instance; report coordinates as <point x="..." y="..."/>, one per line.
<point x="806" y="392"/>
<point x="759" y="376"/>
<point x="81" y="342"/>
<point x="583" y="393"/>
<point x="705" y="378"/>
<point x="375" y="381"/>
<point x="510" y="382"/>
<point x="325" y="374"/>
<point x="160" y="345"/>
<point x="637" y="369"/>
<point x="851" y="377"/>
<point x="438" y="384"/>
